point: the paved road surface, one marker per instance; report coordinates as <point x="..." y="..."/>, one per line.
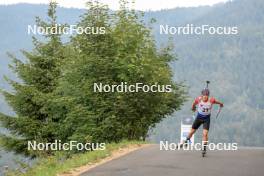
<point x="150" y="161"/>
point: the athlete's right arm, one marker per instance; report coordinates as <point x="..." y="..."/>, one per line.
<point x="195" y="102"/>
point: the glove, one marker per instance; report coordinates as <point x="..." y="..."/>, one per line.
<point x="221" y="105"/>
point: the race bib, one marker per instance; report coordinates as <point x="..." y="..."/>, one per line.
<point x="204" y="108"/>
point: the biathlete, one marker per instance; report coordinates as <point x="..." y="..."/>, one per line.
<point x="204" y="105"/>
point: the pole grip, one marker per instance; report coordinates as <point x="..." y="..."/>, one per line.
<point x="207" y="83"/>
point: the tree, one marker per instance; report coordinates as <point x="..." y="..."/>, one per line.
<point x="30" y="98"/>
<point x="125" y="53"/>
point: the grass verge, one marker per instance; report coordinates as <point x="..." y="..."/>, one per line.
<point x="54" y="165"/>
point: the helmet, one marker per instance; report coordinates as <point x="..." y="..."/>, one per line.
<point x="205" y="92"/>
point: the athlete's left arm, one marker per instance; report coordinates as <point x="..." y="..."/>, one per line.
<point x="214" y="101"/>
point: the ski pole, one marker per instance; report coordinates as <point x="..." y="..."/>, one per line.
<point x="219" y="110"/>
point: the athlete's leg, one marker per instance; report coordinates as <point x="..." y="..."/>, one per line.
<point x="196" y="124"/>
<point x="191" y="133"/>
<point x="205" y="135"/>
<point x="205" y="138"/>
<point x="206" y="126"/>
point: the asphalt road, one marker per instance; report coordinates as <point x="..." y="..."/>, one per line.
<point x="150" y="161"/>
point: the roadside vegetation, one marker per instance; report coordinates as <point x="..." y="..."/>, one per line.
<point x="54" y="98"/>
<point x="61" y="163"/>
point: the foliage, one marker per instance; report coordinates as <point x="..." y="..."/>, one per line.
<point x="125" y="53"/>
<point x="56" y="100"/>
<point x="30" y="98"/>
<point x="61" y="164"/>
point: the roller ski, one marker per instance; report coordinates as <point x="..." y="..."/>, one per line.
<point x="204" y="152"/>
